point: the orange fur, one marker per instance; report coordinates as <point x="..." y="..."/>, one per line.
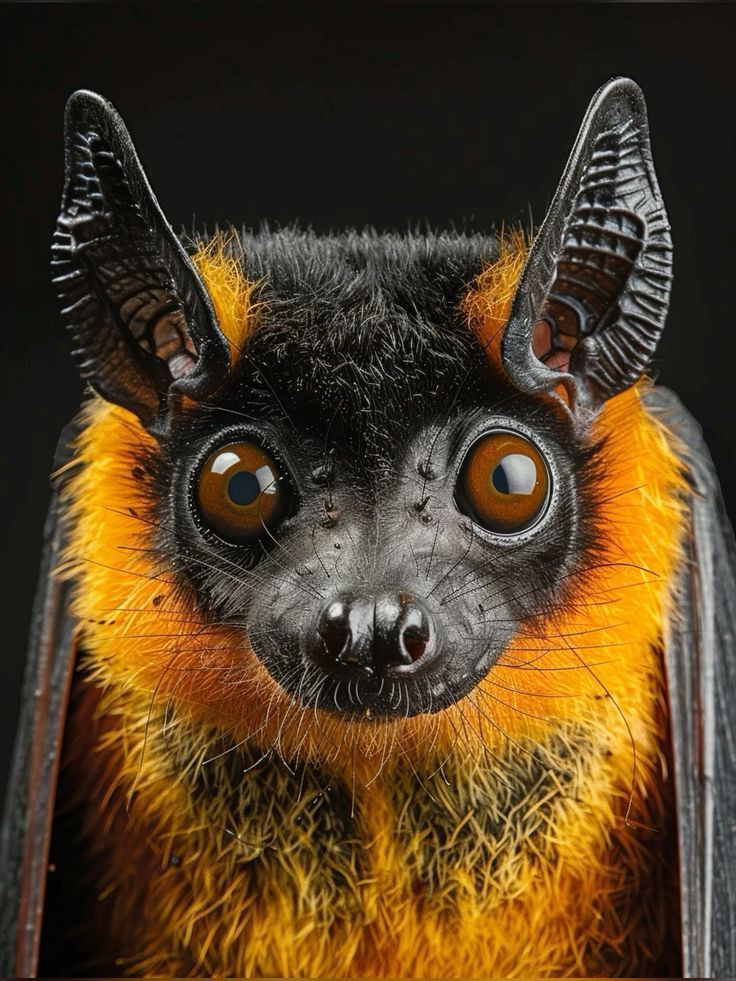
<point x="559" y="901"/>
<point x="488" y="303"/>
<point x="232" y="296"/>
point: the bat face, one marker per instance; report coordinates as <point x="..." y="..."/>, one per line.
<point x="370" y="506"/>
<point x="374" y="462"/>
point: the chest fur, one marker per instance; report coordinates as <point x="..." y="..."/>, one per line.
<point x="471" y="866"/>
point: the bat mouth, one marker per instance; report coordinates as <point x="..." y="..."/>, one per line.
<point x="392" y="694"/>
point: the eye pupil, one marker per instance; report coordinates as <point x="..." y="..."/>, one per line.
<point x="500" y="480"/>
<point x="243" y="488"/>
<point x="515" y="474"/>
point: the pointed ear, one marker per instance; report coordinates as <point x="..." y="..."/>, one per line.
<point x="143" y="323"/>
<point x="592" y="297"/>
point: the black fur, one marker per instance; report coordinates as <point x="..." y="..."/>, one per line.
<point x="359" y="327"/>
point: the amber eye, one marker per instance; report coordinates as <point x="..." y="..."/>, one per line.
<point x="504" y="483"/>
<point x="240" y="492"/>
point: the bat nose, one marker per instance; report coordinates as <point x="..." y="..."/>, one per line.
<point x="371" y="634"/>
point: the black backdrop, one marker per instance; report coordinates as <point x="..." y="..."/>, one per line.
<point x="346" y="114"/>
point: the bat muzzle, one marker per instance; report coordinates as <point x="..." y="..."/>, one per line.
<point x="380" y="648"/>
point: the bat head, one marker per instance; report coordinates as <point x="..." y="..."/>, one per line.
<point x="370" y="460"/>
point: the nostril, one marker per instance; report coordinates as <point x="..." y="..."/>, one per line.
<point x="415" y="634"/>
<point x="414" y="642"/>
<point x="334" y="628"/>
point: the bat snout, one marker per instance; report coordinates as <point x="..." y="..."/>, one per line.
<point x="377" y="650"/>
<point x="375" y="636"/>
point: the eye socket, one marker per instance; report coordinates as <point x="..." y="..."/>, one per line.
<point x="240" y="490"/>
<point x="504" y="483"/>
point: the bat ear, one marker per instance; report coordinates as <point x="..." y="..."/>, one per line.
<point x="143" y="323"/>
<point x="592" y="298"/>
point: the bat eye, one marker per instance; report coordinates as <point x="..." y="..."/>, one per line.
<point x="240" y="492"/>
<point x="504" y="483"/>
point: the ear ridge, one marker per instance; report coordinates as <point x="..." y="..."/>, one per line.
<point x="593" y="295"/>
<point x="141" y="318"/>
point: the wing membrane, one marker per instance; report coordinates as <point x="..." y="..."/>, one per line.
<point x="700" y="655"/>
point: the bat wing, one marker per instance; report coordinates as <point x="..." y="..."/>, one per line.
<point x="700" y="660"/>
<point x="29" y="807"/>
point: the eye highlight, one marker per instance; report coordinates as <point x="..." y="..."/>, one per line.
<point x="504" y="483"/>
<point x="240" y="492"/>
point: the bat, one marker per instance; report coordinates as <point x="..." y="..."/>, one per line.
<point x="385" y="623"/>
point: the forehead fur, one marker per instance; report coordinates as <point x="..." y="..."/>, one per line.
<point x="358" y="326"/>
<point x="355" y="277"/>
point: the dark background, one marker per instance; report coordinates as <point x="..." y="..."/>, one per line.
<point x="346" y="114"/>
